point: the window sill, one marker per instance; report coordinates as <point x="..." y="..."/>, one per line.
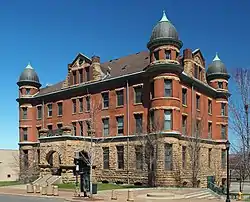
<point x="80" y="112"/>
<point x="210" y="114"/>
<point x="198" y="110"/>
<point x="59" y="115"/>
<point x="74" y="113"/>
<point x="184" y="105"/>
<point x="25" y="119"/>
<point x="222" y="116"/>
<point x="38" y="119"/>
<point x="139" y="103"/>
<point x="105" y="108"/>
<point x="121" y="106"/>
<point x="49" y="117"/>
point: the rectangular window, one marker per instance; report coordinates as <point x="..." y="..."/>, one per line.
<point x="88" y="103"/>
<point x="139" y="157"/>
<point x="223" y="159"/>
<point x="60" y="109"/>
<point x="209" y="157"/>
<point x="223" y="132"/>
<point x="25" y="134"/>
<point x="80" y="104"/>
<point x="198" y="128"/>
<point x="119" y="98"/>
<point x="184" y="151"/>
<point x="209" y="130"/>
<point x="81" y="128"/>
<point x="27" y="91"/>
<point x="50" y="128"/>
<point x="138" y="95"/>
<point x="39" y="112"/>
<point x="59" y="129"/>
<point x="220" y="85"/>
<point x="138" y="123"/>
<point x="88" y="126"/>
<point x="197" y="102"/>
<point x="167" y="120"/>
<point x="120" y="157"/>
<point x="74" y="77"/>
<point x="168" y="156"/>
<point x="25" y="112"/>
<point x="80" y="76"/>
<point x="105" y="123"/>
<point x="105" y="100"/>
<point x="105" y="158"/>
<point x="87" y="74"/>
<point x="210" y="106"/>
<point x="223" y="109"/>
<point x="74" y="128"/>
<point x="200" y="73"/>
<point x="184" y="96"/>
<point x="168" y="54"/>
<point x="184" y="125"/>
<point x="37" y="131"/>
<point x="74" y="106"/>
<point x="26" y="159"/>
<point x="168" y="88"/>
<point x="120" y="125"/>
<point x="152" y="90"/>
<point x="49" y="107"/>
<point x="156" y="55"/>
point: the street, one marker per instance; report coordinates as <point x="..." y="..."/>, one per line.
<point x="10" y="198"/>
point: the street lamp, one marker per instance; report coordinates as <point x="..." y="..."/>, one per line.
<point x="227" y="148"/>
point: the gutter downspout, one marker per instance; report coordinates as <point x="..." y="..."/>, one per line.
<point x="127" y="103"/>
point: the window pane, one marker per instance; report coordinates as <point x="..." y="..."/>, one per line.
<point x="139" y="157"/>
<point x="120" y="99"/>
<point x="167" y="120"/>
<point x="105" y="127"/>
<point x="168" y="88"/>
<point x="184" y="96"/>
<point x="105" y="99"/>
<point x="138" y="123"/>
<point x="80" y="105"/>
<point x="138" y="94"/>
<point x="120" y="157"/>
<point x="105" y="158"/>
<point x="88" y="103"/>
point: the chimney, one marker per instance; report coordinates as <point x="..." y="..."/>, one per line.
<point x="187" y="61"/>
<point x="187" y="53"/>
<point x="96" y="68"/>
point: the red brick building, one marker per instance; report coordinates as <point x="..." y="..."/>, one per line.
<point x="158" y="93"/>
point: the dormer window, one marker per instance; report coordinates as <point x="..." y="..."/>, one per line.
<point x="197" y="72"/>
<point x="87" y="74"/>
<point x="74" y="77"/>
<point x="156" y="55"/>
<point x="80" y="76"/>
<point x="168" y="54"/>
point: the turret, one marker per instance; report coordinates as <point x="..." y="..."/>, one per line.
<point x="217" y="75"/>
<point x="164" y="44"/>
<point x="28" y="82"/>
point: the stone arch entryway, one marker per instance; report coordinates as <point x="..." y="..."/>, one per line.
<point x="53" y="158"/>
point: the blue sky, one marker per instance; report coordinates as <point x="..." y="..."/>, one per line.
<point x="49" y="34"/>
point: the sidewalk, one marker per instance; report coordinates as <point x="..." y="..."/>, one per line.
<point x="139" y="195"/>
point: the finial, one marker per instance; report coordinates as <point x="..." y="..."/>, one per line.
<point x="29" y="66"/>
<point x="164" y="17"/>
<point x="216" y="58"/>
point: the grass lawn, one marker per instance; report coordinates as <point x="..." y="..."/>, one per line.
<point x="100" y="186"/>
<point x="9" y="183"/>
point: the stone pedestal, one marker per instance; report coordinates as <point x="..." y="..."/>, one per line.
<point x="43" y="132"/>
<point x="29" y="188"/>
<point x="67" y="130"/>
<point x="55" y="190"/>
<point x="44" y="190"/>
<point x="49" y="190"/>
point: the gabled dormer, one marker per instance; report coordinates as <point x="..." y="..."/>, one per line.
<point x="83" y="70"/>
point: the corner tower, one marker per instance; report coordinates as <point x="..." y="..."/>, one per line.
<point x="164" y="71"/>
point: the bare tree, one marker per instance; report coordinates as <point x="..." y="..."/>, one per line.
<point x="26" y="168"/>
<point x="94" y="112"/>
<point x="239" y="121"/>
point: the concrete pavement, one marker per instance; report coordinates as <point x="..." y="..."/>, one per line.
<point x="11" y="198"/>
